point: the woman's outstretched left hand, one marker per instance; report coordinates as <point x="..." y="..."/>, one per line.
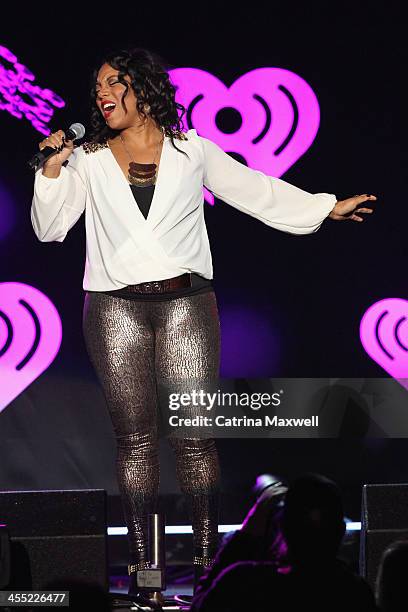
<point x="344" y="209"/>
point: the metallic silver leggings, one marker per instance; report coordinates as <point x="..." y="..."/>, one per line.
<point x="131" y="344"/>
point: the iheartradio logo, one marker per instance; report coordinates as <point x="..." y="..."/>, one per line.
<point x="273" y="115"/>
<point x="384" y="335"/>
<point x="30" y="338"/>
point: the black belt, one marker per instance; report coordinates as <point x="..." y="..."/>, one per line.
<point x="161" y="286"/>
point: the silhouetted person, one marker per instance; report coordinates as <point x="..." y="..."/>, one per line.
<point x="307" y="575"/>
<point x="391" y="588"/>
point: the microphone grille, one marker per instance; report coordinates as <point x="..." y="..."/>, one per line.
<point x="78" y="130"/>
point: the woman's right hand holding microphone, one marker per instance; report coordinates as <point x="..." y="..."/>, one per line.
<point x="52" y="166"/>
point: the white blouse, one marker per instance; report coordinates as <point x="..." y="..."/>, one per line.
<point x="123" y="248"/>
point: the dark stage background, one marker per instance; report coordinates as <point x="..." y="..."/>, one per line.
<point x="289" y="305"/>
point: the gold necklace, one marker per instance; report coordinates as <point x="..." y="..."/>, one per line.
<point x="142" y="175"/>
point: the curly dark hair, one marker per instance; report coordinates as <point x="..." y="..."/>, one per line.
<point x="151" y="83"/>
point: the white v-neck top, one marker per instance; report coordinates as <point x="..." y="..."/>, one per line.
<point x="123" y="248"/>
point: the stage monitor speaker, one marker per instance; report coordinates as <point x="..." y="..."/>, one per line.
<point x="56" y="538"/>
<point x="384" y="519"/>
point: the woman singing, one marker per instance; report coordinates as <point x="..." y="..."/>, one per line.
<point x="150" y="312"/>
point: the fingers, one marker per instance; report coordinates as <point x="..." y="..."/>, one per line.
<point x="55" y="140"/>
<point x="365" y="197"/>
<point x="271" y="492"/>
<point x="348" y="208"/>
<point x="355" y="217"/>
<point x="361" y="199"/>
<point x="365" y="210"/>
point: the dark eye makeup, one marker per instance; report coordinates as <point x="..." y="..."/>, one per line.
<point x="109" y="83"/>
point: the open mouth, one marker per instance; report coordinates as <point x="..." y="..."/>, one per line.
<point x="108" y="108"/>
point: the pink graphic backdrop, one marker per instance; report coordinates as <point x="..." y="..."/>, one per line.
<point x="16" y="85"/>
<point x="30" y="337"/>
<point x="384" y="335"/>
<point x="279" y="112"/>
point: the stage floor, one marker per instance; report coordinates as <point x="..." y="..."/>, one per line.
<point x="179" y="583"/>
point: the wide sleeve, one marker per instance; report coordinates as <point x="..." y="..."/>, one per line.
<point x="58" y="202"/>
<point x="271" y="200"/>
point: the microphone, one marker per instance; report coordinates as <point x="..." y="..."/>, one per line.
<point x="75" y="131"/>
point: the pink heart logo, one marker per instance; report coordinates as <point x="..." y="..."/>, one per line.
<point x="276" y="114"/>
<point x="30" y="338"/>
<point x="384" y="336"/>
